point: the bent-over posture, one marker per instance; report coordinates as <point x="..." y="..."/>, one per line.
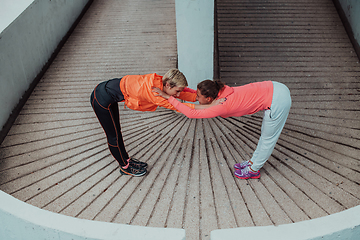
<point x="272" y="97"/>
<point x="136" y="91"/>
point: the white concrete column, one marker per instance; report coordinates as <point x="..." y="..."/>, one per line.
<point x="195" y="39"/>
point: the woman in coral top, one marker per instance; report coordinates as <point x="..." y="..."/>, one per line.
<point x="273" y="97"/>
<point x="136" y="91"/>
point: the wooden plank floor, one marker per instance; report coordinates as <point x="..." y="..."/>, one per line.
<point x="55" y="156"/>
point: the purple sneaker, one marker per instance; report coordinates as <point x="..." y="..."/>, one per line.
<point x="242" y="165"/>
<point x="245" y="173"/>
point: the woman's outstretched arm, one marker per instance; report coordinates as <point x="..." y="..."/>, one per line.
<point x="200" y="111"/>
<point x="197" y="106"/>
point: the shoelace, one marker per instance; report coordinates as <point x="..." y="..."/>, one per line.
<point x="245" y="171"/>
<point x="244" y="164"/>
<point x="134" y="170"/>
<point x="136" y="163"/>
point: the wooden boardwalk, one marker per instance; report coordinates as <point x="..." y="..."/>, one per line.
<point x="55" y="156"/>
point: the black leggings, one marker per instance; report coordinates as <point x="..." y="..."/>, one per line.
<point x="107" y="111"/>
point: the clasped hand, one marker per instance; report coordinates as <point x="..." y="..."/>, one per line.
<point x="160" y="93"/>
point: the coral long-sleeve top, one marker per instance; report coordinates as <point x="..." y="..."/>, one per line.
<point x="137" y="91"/>
<point x="243" y="100"/>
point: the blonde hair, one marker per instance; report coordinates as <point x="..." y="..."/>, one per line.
<point x="175" y="78"/>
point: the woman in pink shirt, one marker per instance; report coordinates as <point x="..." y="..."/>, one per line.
<point x="272" y="97"/>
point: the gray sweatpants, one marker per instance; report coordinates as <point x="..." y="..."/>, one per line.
<point x="272" y="125"/>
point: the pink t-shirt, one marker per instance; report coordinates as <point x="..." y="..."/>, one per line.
<point x="243" y="100"/>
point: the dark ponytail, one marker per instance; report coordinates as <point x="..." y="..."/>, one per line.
<point x="209" y="88"/>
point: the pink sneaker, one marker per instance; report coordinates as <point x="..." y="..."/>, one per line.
<point x="246" y="173"/>
<point x="242" y="165"/>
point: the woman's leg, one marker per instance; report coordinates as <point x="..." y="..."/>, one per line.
<point x="107" y="112"/>
<point x="272" y="125"/>
<point x="119" y="147"/>
<point x="108" y="117"/>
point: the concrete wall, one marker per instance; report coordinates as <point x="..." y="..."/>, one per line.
<point x="28" y="43"/>
<point x="351" y="9"/>
<point x="19" y="220"/>
<point x="195" y="39"/>
<point x="343" y="225"/>
<point x="10" y="10"/>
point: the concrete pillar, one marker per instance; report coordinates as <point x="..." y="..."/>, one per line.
<point x="195" y="39"/>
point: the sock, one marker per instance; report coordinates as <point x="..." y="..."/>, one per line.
<point x="252" y="170"/>
<point x="127" y="165"/>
